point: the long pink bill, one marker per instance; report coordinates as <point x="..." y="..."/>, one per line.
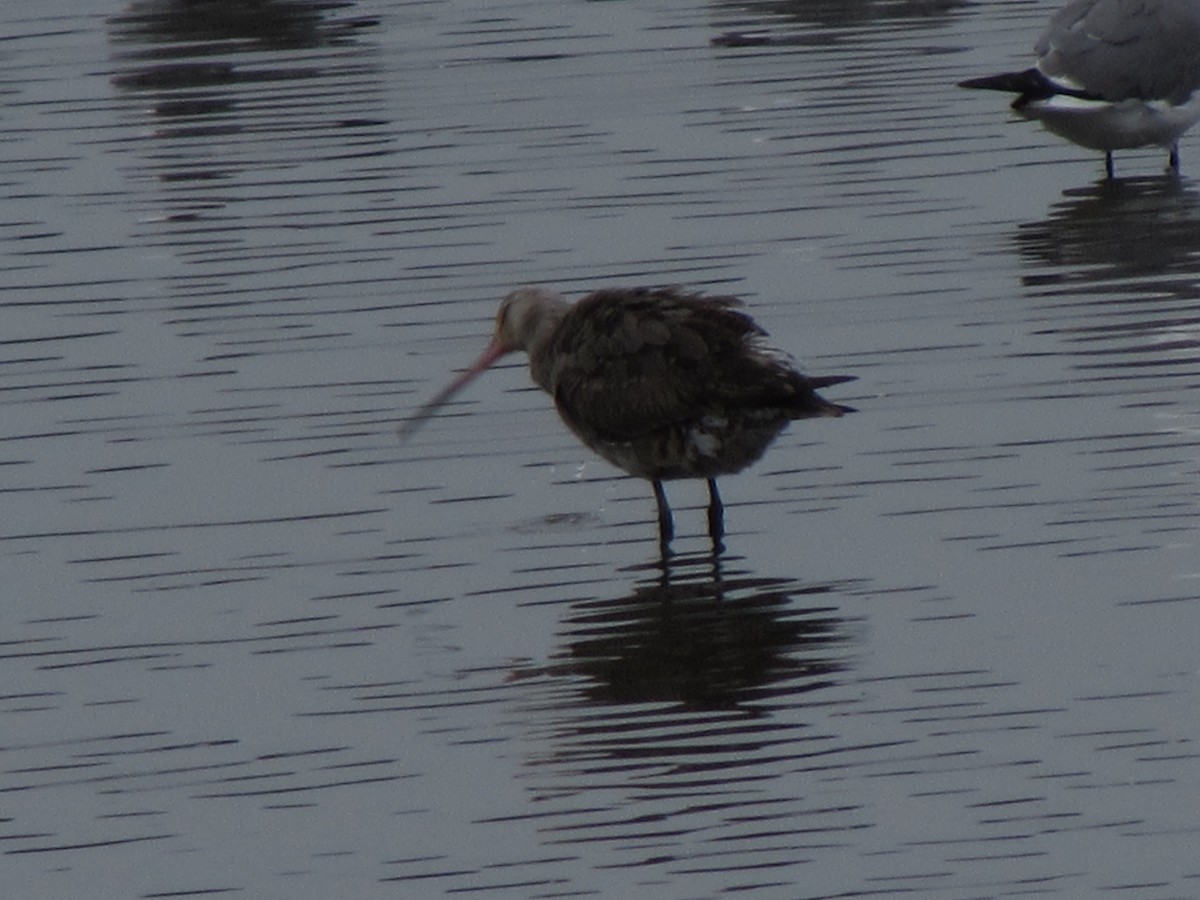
<point x="409" y="426"/>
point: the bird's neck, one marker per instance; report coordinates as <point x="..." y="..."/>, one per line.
<point x="537" y="345"/>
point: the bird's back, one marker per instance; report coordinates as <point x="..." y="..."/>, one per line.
<point x="666" y="383"/>
<point x="1125" y="49"/>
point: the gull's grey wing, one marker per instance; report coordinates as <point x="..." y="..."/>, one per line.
<point x="1122" y="49"/>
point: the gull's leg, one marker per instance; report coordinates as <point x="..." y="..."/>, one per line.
<point x="1108" y="164"/>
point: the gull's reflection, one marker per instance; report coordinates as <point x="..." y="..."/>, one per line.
<point x="242" y="115"/>
<point x="816" y="22"/>
<point x="839" y="13"/>
<point x="204" y="72"/>
<point x="1111" y="231"/>
<point x="169" y="29"/>
<point x="1114" y="271"/>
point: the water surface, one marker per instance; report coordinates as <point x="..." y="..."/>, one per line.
<point x="254" y="646"/>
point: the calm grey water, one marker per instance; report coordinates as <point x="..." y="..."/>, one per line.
<point x="252" y="646"/>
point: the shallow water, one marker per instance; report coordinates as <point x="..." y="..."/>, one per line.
<point x="253" y="645"/>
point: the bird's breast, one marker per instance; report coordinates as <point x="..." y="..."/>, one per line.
<point x="712" y="445"/>
<point x="1114" y="126"/>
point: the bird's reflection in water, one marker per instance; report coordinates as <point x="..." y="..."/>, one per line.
<point x="700" y="633"/>
<point x="1113" y="274"/>
<point x="175" y="28"/>
<point x="221" y="68"/>
<point x="800" y="22"/>
<point x="694" y="698"/>
<point x="1105" y="233"/>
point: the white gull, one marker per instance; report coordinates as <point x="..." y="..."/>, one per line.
<point x="1113" y="75"/>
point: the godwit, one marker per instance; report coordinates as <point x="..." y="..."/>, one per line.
<point x="1113" y="75"/>
<point x="660" y="382"/>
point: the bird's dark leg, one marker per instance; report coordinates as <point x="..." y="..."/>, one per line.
<point x="716" y="514"/>
<point x="1108" y="165"/>
<point x="1173" y="159"/>
<point x="666" y="526"/>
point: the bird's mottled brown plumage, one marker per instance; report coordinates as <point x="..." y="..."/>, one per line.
<point x="661" y="382"/>
<point x="667" y="384"/>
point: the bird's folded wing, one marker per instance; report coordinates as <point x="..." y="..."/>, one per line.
<point x="1125" y="49"/>
<point x="626" y="369"/>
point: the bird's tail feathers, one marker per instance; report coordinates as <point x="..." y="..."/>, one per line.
<point x="824" y="381"/>
<point x="818" y="405"/>
<point x="829" y="410"/>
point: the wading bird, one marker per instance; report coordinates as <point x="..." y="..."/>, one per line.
<point x="662" y="383"/>
<point x="1113" y="75"/>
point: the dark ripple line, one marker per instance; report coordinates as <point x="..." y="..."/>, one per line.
<point x="185" y="526"/>
<point x="89" y="845"/>
<point x="1191" y="598"/>
<point x="200" y="642"/>
<point x="245" y="572"/>
<point x="54" y="337"/>
<point x="266" y="792"/>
